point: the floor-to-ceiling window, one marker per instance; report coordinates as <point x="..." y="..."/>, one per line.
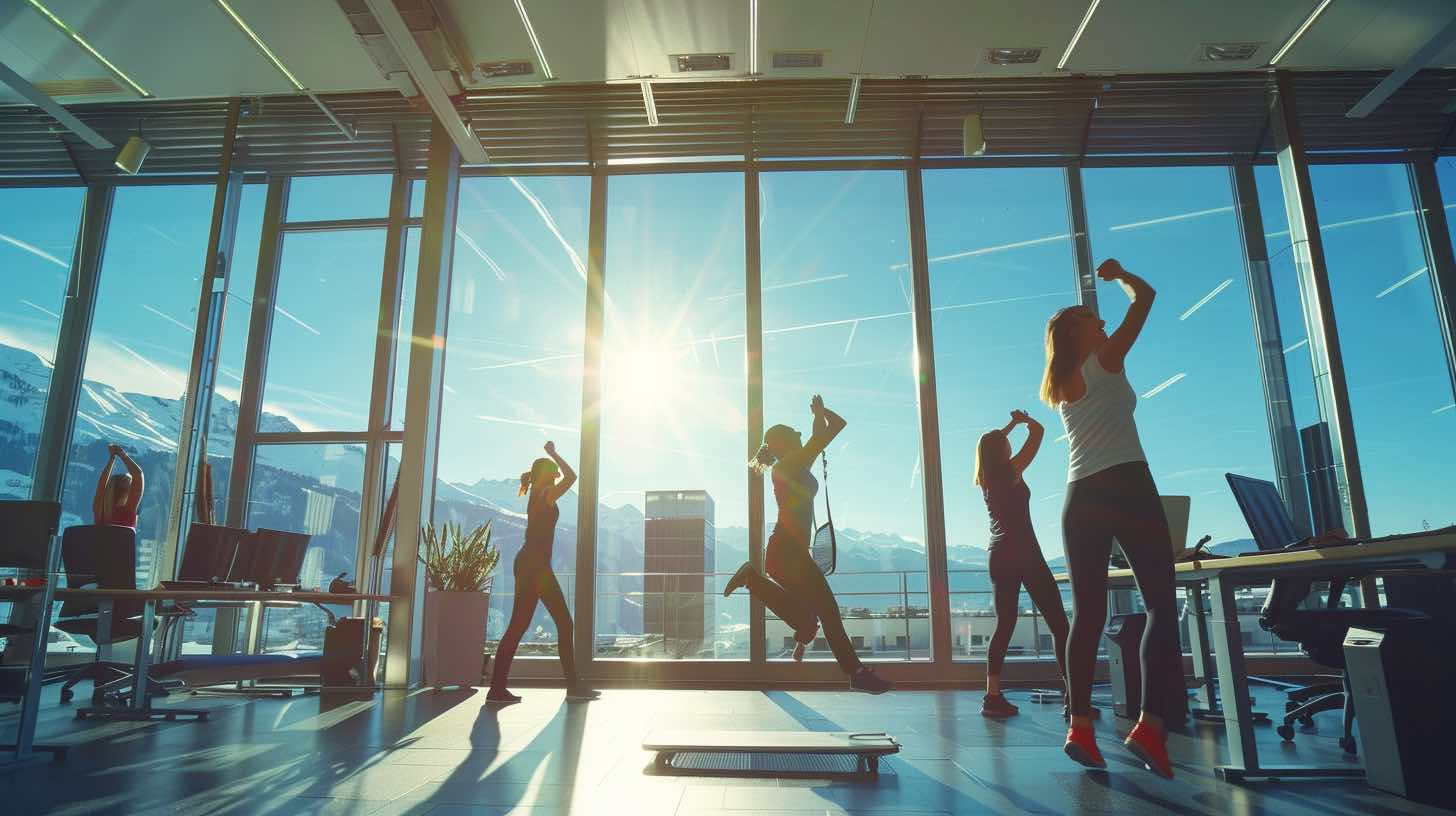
<point x="1001" y="261"/>
<point x="837" y="322"/>
<point x="139" y="353"/>
<point x="513" y="366"/>
<point x="672" y="516"/>
<point x="37" y="242"/>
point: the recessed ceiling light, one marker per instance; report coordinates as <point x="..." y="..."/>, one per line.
<point x="1228" y="52"/>
<point x="683" y="63"/>
<point x="1013" y="56"/>
<point x="798" y="59"/>
<point x="505" y="68"/>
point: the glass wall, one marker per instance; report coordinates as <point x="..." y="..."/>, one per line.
<point x="37" y="242"/>
<point x="1001" y="261"/>
<point x="837" y="322"/>
<point x="513" y="370"/>
<point x="672" y="524"/>
<point x="139" y="353"/>
<point x="1196" y="367"/>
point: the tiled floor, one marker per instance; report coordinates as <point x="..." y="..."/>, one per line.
<point x="445" y="754"/>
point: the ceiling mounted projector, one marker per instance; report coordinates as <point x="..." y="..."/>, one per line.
<point x="133" y="153"/>
<point x="973" y="139"/>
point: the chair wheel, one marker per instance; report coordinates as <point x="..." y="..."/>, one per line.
<point x="1348" y="743"/>
<point x="1306" y="721"/>
<point x="1286" y="732"/>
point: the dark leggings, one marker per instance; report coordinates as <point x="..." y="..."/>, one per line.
<point x="796" y="592"/>
<point x="1121" y="502"/>
<point x="535" y="582"/>
<point x="1014" y="564"/>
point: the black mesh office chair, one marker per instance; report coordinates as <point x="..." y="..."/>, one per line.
<point x="1319" y="631"/>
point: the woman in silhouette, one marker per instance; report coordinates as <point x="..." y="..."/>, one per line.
<point x="1016" y="558"/>
<point x="795" y="589"/>
<point x="118" y="495"/>
<point x="1111" y="494"/>
<point x="536" y="582"/>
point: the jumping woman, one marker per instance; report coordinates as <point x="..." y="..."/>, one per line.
<point x="1111" y="494"/>
<point x="794" y="589"/>
<point x="1016" y="558"/>
<point x="536" y="582"/>
<point x="118" y="496"/>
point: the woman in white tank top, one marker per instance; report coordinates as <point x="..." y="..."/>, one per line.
<point x="1111" y="494"/>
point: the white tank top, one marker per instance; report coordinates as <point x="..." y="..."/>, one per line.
<point x="1100" y="427"/>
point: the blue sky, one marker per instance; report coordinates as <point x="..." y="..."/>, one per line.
<point x="835" y="315"/>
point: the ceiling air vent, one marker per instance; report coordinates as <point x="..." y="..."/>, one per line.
<point x="682" y="63"/>
<point x="798" y="59"/>
<point x="77" y="87"/>
<point x="1013" y="56"/>
<point x="506" y="68"/>
<point x="1227" y="52"/>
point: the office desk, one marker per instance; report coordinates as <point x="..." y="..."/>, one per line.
<point x="137" y="707"/>
<point x="1417" y="551"/>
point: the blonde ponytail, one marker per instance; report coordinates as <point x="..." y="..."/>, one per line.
<point x="525" y="483"/>
<point x="763" y="460"/>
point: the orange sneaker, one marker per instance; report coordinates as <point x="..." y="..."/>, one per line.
<point x="1150" y="745"/>
<point x="1082" y="747"/>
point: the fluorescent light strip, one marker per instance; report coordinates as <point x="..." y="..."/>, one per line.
<point x="96" y="55"/>
<point x="649" y="102"/>
<point x="752" y="37"/>
<point x="1299" y="32"/>
<point x="853" y="100"/>
<point x="1086" y="18"/>
<point x="262" y="46"/>
<point x="535" y="42"/>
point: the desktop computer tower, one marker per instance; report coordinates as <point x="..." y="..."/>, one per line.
<point x="1402" y="677"/>
<point x="1124" y="635"/>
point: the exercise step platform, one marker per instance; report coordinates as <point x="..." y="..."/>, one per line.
<point x="678" y="750"/>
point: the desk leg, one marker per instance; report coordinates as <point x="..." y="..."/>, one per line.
<point x="39" y="616"/>
<point x="1203" y="669"/>
<point x="143" y="656"/>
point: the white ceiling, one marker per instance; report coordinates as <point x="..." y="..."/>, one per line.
<point x="189" y="48"/>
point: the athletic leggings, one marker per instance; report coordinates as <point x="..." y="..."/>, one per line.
<point x="1121" y="502"/>
<point x="797" y="593"/>
<point x="535" y="582"/>
<point x="1014" y="564"/>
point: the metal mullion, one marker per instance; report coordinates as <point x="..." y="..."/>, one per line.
<point x="1283" y="432"/>
<point x="312" y="438"/>
<point x="934" y="508"/>
<point x="580" y="169"/>
<point x="675" y="167"/>
<point x="207" y="335"/>
<point x="591" y="412"/>
<point x="1086" y="277"/>
<point x="53" y="449"/>
<point x="1435" y="235"/>
<point x="335" y="224"/>
<point x="1331" y="391"/>
<point x="255" y="357"/>
<point x="381" y="401"/>
<point x="753" y="289"/>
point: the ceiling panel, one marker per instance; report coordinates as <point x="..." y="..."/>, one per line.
<point x="660" y="28"/>
<point x="198" y="52"/>
<point x="950" y="37"/>
<point x="1166" y="35"/>
<point x="1370" y="34"/>
<point x="37" y="51"/>
<point x="584" y="42"/>
<point x="835" y="27"/>
<point x="314" y="39"/>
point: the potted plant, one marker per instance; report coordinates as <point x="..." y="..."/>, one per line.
<point x="458" y="573"/>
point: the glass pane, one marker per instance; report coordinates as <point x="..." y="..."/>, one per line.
<point x="312" y="489"/>
<point x="513" y="370"/>
<point x="332" y="198"/>
<point x="37" y="240"/>
<point x="1395" y="364"/>
<point x="837" y="322"/>
<point x="410" y="273"/>
<point x="1001" y="260"/>
<point x="326" y="315"/>
<point x="139" y="353"/>
<point x="1195" y="367"/>
<point x="674" y="483"/>
<point x="417" y="198"/>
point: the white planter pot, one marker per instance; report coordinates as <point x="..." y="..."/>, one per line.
<point x="454" y="646"/>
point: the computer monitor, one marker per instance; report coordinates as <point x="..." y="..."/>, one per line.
<point x="270" y="557"/>
<point x="26" y="530"/>
<point x="210" y="552"/>
<point x="1176" y="509"/>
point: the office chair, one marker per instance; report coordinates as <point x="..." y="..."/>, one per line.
<point x="26" y="530"/>
<point x="1319" y="631"/>
<point x="103" y="556"/>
